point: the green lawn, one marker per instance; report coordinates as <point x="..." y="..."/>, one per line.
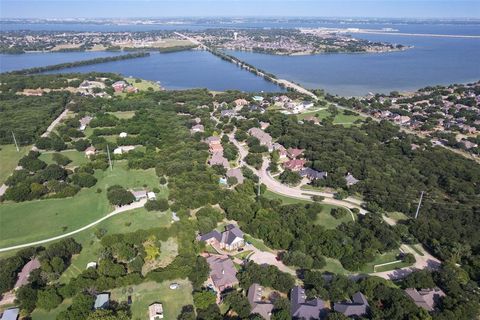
<point x="398" y="216"/>
<point x="324" y="218"/>
<point x="143" y="85"/>
<point x="259" y="244"/>
<point x="36" y="220"/>
<point x="123" y="114"/>
<point x="78" y="158"/>
<point x="340" y="118"/>
<point x="9" y="159"/>
<point x="40" y="314"/>
<point x="126" y="222"/>
<point x="149" y="292"/>
<point x="382" y="258"/>
<point x="392" y="266"/>
<point x="334" y="266"/>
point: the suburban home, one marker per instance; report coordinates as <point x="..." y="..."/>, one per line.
<point x="295" y="165"/>
<point x="90" y="151"/>
<point x="258" y="99"/>
<point x="303" y="309"/>
<point x="214" y="144"/>
<point x="358" y="306"/>
<point x="151" y="196"/>
<point x="282" y="152"/>
<point x="258" y="303"/>
<point x="223" y="273"/>
<point x="102" y="300"/>
<point x="22" y="278"/>
<point x="351" y="180"/>
<point x="84" y="122"/>
<point x="294" y="153"/>
<point x="239" y="103"/>
<point x="230" y="239"/>
<point x="264" y="125"/>
<point x="218" y="159"/>
<point x="264" y="138"/>
<point x="236" y="173"/>
<point x="119" y="86"/>
<point x="139" y="194"/>
<point x="228" y="113"/>
<point x="10" y="314"/>
<point x="197" y="128"/>
<point x="155" y="311"/>
<point x="312" y="119"/>
<point x="123" y="149"/>
<point x="425" y="298"/>
<point x="312" y="174"/>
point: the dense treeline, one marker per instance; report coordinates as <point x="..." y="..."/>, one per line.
<point x="79" y="63"/>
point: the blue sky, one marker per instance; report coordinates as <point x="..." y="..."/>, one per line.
<point x="176" y="8"/>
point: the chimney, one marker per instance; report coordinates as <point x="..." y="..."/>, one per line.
<point x="223" y="271"/>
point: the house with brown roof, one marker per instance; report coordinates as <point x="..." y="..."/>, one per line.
<point x="218" y="159"/>
<point x="425" y="298"/>
<point x="197" y="128"/>
<point x="230" y="239"/>
<point x="236" y="173"/>
<point x="282" y="152"/>
<point x="294" y="153"/>
<point x="264" y="138"/>
<point x="295" y="165"/>
<point x="90" y="151"/>
<point x="258" y="303"/>
<point x="223" y="273"/>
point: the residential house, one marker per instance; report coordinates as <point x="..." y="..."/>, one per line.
<point x="294" y="165"/>
<point x="282" y="152"/>
<point x="230" y="239"/>
<point x="312" y="174"/>
<point x="240" y="103"/>
<point x="92" y="264"/>
<point x="123" y="135"/>
<point x="151" y="196"/>
<point x="22" y="278"/>
<point x="102" y="300"/>
<point x="351" y="180"/>
<point x="312" y="119"/>
<point x="258" y="99"/>
<point x="123" y="149"/>
<point x="425" y="298"/>
<point x="197" y="128"/>
<point x="155" y="311"/>
<point x="217" y="159"/>
<point x="264" y="138"/>
<point x="357" y="307"/>
<point x="90" y="151"/>
<point x="10" y="314"/>
<point x="264" y="125"/>
<point x="84" y="122"/>
<point x="139" y="194"/>
<point x="228" y="113"/>
<point x="119" y="86"/>
<point x="223" y="273"/>
<point x="294" y="153"/>
<point x="301" y="308"/>
<point x="214" y="144"/>
<point x="236" y="173"/>
<point x="258" y="303"/>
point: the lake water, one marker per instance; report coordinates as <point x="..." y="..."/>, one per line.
<point x="178" y="70"/>
<point x="432" y="61"/>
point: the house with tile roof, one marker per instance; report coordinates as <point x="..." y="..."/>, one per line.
<point x="425" y="298"/>
<point x="223" y="273"/>
<point x="301" y="308"/>
<point x="258" y="303"/>
<point x="357" y="307"/>
<point x="230" y="239"/>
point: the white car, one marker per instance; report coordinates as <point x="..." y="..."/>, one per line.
<point x="174" y="286"/>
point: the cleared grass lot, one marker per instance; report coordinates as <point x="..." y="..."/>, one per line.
<point x="9" y="158"/>
<point x="78" y="158"/>
<point x="36" y="220"/>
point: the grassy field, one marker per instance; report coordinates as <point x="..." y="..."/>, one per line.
<point x="149" y="292"/>
<point x="9" y="159"/>
<point x="126" y="222"/>
<point x="40" y="314"/>
<point x="324" y="218"/>
<point x="123" y="114"/>
<point x="257" y="243"/>
<point x="398" y="216"/>
<point x="36" y="220"/>
<point x="143" y="85"/>
<point x="340" y="118"/>
<point x="78" y="158"/>
<point x="383" y="258"/>
<point x="334" y="266"/>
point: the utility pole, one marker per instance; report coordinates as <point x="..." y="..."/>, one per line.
<point x="15" y="140"/>
<point x="109" y="159"/>
<point x="419" y="204"/>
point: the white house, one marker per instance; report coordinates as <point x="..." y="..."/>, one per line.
<point x="123" y="149"/>
<point x="123" y="135"/>
<point x="155" y="311"/>
<point x="151" y="195"/>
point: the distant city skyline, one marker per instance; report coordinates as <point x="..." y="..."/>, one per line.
<point x="238" y="8"/>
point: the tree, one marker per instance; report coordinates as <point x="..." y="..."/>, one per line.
<point x="157" y="205"/>
<point x="187" y="313"/>
<point x="61" y="159"/>
<point x="254" y="159"/>
<point x="118" y="196"/>
<point x="26" y="297"/>
<point x="203" y="299"/>
<point x="338" y="213"/>
<point x="81" y="144"/>
<point x="84" y="180"/>
<point x="289" y="177"/>
<point x="48" y="299"/>
<point x="238" y="303"/>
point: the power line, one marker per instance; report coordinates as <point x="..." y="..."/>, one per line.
<point x="15" y="140"/>
<point x="419" y="204"/>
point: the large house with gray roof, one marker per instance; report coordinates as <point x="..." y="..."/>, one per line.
<point x="356" y="307"/>
<point x="425" y="298"/>
<point x="259" y="304"/>
<point x="301" y="308"/>
<point x="230" y="239"/>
